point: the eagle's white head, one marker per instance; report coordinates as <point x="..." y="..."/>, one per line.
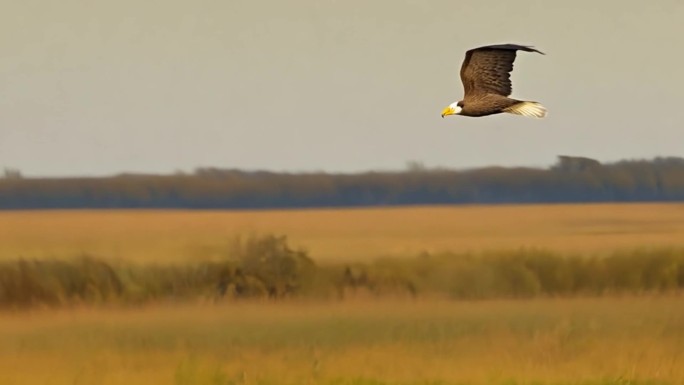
<point x="453" y="109"/>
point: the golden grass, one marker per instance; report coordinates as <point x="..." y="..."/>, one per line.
<point x="553" y="341"/>
<point x="341" y="234"/>
<point x="420" y="342"/>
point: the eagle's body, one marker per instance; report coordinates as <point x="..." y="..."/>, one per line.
<point x="485" y="75"/>
<point x="485" y="104"/>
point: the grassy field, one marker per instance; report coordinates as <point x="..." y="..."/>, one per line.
<point x="570" y="341"/>
<point x="340" y="235"/>
<point x="606" y="340"/>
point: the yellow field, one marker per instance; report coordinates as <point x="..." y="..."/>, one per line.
<point x="341" y="234"/>
<point x="569" y="341"/>
<point x="426" y="341"/>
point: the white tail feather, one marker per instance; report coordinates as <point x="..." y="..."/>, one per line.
<point x="530" y="109"/>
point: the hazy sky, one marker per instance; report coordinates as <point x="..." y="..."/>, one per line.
<point x="92" y="87"/>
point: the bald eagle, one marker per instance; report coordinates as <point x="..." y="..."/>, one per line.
<point x="485" y="75"/>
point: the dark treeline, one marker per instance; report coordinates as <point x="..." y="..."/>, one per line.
<point x="571" y="179"/>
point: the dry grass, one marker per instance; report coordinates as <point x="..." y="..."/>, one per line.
<point x="349" y="234"/>
<point x="571" y="341"/>
<point x="597" y="341"/>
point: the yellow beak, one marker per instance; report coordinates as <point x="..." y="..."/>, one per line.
<point x="447" y="111"/>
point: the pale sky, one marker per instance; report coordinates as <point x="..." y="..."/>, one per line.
<point x="92" y="87"/>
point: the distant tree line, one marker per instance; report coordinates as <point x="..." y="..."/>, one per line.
<point x="571" y="179"/>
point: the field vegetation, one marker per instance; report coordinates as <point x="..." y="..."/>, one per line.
<point x="267" y="267"/>
<point x="94" y="257"/>
<point x="504" y="295"/>
<point x="340" y="235"/>
<point x="600" y="341"/>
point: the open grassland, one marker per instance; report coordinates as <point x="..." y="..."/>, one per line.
<point x="629" y="340"/>
<point x="395" y="327"/>
<point x="341" y="235"/>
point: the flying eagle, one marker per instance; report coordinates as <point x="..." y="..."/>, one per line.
<point x="486" y="78"/>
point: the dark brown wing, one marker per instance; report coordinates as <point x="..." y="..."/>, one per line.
<point x="488" y="69"/>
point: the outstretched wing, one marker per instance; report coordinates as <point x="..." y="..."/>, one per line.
<point x="488" y="69"/>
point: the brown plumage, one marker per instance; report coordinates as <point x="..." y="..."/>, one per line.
<point x="485" y="75"/>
